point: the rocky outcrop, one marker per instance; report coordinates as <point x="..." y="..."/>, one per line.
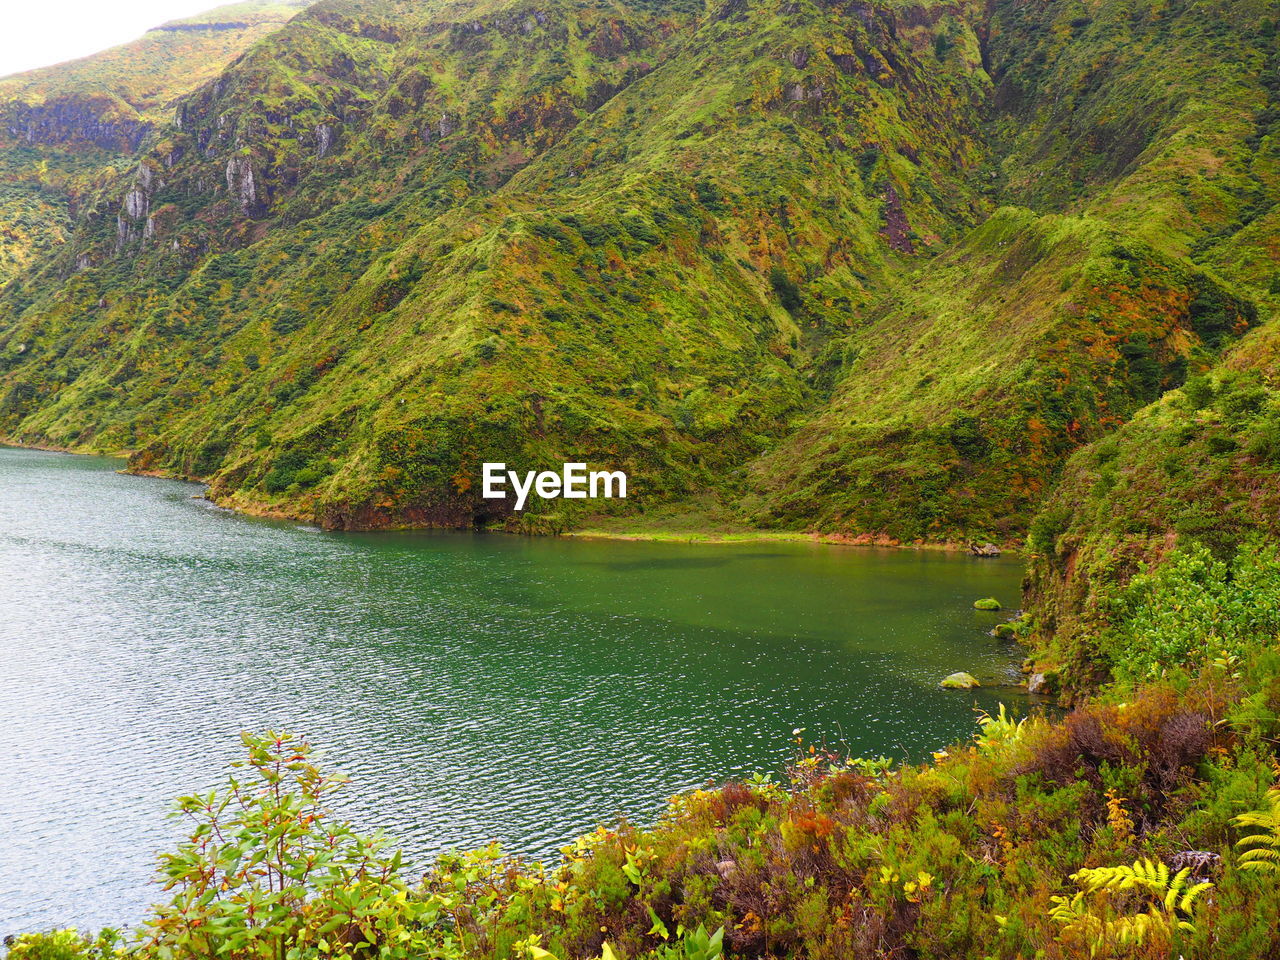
<point x="134" y="222"/>
<point x="68" y="121"/>
<point x="1038" y="683"/>
<point x="136" y="203"/>
<point x="242" y="185"/>
<point x="326" y="137"/>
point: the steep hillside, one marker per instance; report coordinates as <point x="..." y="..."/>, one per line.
<point x="1156" y="116"/>
<point x="68" y="129"/>
<point x="1165" y="124"/>
<point x="752" y="253"/>
<point x="960" y="396"/>
<point x="396" y="240"/>
<point x="1200" y="466"/>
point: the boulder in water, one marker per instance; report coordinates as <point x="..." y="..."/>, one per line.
<point x="959" y="681"/>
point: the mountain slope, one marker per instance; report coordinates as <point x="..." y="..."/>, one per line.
<point x="963" y="393"/>
<point x="1151" y="115"/>
<point x="754" y="253"/>
<point x="401" y="306"/>
<point x="1200" y="466"/>
<point x="66" y="130"/>
<point x="956" y="401"/>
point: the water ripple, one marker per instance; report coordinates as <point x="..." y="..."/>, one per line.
<point x="473" y="687"/>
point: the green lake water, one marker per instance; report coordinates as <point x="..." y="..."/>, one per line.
<point x="475" y="687"/>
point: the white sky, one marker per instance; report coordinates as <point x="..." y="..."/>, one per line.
<point x="37" y="33"/>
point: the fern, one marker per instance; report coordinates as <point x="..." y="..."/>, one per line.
<point x="1263" y="849"/>
<point x="997" y="730"/>
<point x="1170" y="902"/>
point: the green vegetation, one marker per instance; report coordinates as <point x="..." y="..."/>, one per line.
<point x="958" y="403"/>
<point x="760" y="258"/>
<point x="888" y="272"/>
<point x="268" y="872"/>
<point x="1122" y="830"/>
<point x="1192" y="478"/>
<point x="1192" y="605"/>
<point x="1174" y="898"/>
<point x="1262" y="853"/>
<point x="68" y="131"/>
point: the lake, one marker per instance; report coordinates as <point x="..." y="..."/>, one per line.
<point x="474" y="686"/>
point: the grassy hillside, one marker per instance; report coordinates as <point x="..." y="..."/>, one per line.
<point x="958" y="397"/>
<point x="1154" y="116"/>
<point x="609" y="234"/>
<point x="1200" y="467"/>
<point x="960" y="394"/>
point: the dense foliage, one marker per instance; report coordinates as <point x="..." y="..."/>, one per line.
<point x="1199" y="467"/>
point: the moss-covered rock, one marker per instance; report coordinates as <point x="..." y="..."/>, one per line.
<point x="959" y="681"/>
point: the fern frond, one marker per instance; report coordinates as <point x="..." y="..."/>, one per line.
<point x="1263" y="849"/>
<point x="1259" y="839"/>
<point x="1189" y="898"/>
<point x="1173" y="899"/>
<point x="1262" y="860"/>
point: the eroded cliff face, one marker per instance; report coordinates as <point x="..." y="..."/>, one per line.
<point x="66" y="132"/>
<point x="69" y="122"/>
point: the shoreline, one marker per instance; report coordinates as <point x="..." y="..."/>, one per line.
<point x="761" y="535"/>
<point x="637" y="533"/>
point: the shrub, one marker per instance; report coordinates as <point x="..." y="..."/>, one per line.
<point x="788" y="293"/>
<point x="209" y="457"/>
<point x="267" y="873"/>
<point x="65" y="945"/>
<point x="1194" y="608"/>
<point x="1166" y="902"/>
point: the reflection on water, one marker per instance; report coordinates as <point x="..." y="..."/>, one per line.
<point x="475" y="687"/>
